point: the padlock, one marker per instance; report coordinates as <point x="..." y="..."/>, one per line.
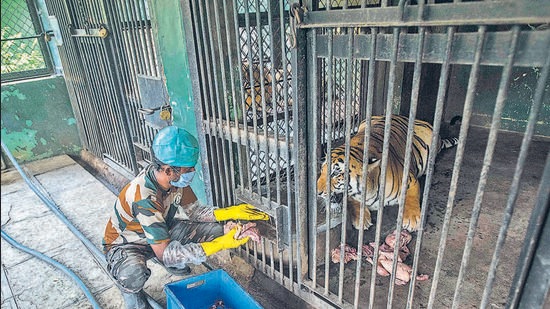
<point x="165" y="112"/>
<point x="103" y="32"/>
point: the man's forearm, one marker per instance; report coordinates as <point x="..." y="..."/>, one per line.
<point x="178" y="255"/>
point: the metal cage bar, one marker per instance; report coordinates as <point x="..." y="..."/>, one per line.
<point x="502" y="93"/>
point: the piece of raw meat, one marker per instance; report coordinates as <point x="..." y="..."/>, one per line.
<point x="349" y="254"/>
<point x="243" y="230"/>
<point x="384" y="266"/>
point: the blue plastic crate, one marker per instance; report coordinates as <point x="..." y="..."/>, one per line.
<point x="203" y="291"/>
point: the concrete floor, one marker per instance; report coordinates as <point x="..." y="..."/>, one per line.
<point x="28" y="282"/>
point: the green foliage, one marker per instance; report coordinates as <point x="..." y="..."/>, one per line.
<point x="20" y="55"/>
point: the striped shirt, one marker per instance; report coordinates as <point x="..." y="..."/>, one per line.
<point x="144" y="212"/>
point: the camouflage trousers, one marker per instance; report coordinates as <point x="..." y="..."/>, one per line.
<point x="127" y="263"/>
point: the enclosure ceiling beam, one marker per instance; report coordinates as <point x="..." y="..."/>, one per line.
<point x="470" y="13"/>
<point x="532" y="47"/>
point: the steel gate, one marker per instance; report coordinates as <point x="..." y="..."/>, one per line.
<point x="281" y="84"/>
<point x="113" y="75"/>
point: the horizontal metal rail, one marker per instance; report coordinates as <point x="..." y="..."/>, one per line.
<point x="532" y="47"/>
<point x="470" y="13"/>
<point x="239" y="135"/>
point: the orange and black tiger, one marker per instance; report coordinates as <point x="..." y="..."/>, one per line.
<point x="422" y="138"/>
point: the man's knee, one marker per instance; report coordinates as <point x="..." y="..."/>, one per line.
<point x="128" y="266"/>
<point x="132" y="276"/>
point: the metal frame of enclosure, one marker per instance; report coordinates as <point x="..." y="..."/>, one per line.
<point x="112" y="71"/>
<point x="279" y="84"/>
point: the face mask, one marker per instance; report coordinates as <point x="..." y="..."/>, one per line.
<point x="184" y="180"/>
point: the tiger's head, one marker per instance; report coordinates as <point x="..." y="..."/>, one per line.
<point x="337" y="177"/>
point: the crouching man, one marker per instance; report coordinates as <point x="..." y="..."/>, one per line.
<point x="157" y="215"/>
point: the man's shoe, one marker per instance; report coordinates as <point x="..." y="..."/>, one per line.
<point x="173" y="270"/>
<point x="136" y="300"/>
<point x="179" y="271"/>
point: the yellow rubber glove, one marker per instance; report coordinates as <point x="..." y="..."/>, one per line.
<point x="240" y="212"/>
<point x="226" y="241"/>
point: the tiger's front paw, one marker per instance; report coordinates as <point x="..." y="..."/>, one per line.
<point x="366" y="223"/>
<point x="411" y="219"/>
<point x="356" y="216"/>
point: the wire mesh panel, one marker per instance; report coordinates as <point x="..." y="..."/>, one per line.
<point x="24" y="52"/>
<point x="324" y="113"/>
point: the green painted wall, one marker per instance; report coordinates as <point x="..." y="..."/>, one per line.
<point x="166" y="16"/>
<point x="37" y="119"/>
<point x="517" y="107"/>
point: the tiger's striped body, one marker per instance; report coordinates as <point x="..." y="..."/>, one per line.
<point x="394" y="173"/>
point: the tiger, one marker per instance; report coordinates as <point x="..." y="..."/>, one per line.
<point x="422" y="137"/>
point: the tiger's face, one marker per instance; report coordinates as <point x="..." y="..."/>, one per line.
<point x="338" y="184"/>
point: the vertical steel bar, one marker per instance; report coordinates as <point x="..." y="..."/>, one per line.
<point x="264" y="262"/>
<point x="252" y="83"/>
<point x="99" y="95"/>
<point x="193" y="39"/>
<point x="526" y="287"/>
<point x="300" y="150"/>
<point x="364" y="171"/>
<point x="146" y="24"/>
<point x="132" y="32"/>
<point x="384" y="163"/>
<point x="139" y="33"/>
<point x="328" y="124"/>
<point x="117" y="48"/>
<point x="117" y="76"/>
<point x="244" y="135"/>
<point x="288" y="153"/>
<point x="267" y="172"/>
<point x="535" y="222"/>
<point x="201" y="53"/>
<point x="130" y="46"/>
<point x="514" y="188"/>
<point x="220" y="142"/>
<point x="212" y="113"/>
<point x="349" y="69"/>
<point x="123" y="151"/>
<point x="275" y="97"/>
<point x="467" y="112"/>
<point x="271" y="261"/>
<point x="229" y="174"/>
<point x="489" y="150"/>
<point x="313" y="142"/>
<point x="234" y="98"/>
<point x="440" y="102"/>
<point x="407" y="164"/>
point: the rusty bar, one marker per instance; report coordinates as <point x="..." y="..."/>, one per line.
<point x="384" y="163"/>
<point x="364" y="171"/>
<point x="228" y="171"/>
<point x="328" y="124"/>
<point x="489" y="150"/>
<point x="514" y="188"/>
<point x="349" y="70"/>
<point x="243" y="103"/>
